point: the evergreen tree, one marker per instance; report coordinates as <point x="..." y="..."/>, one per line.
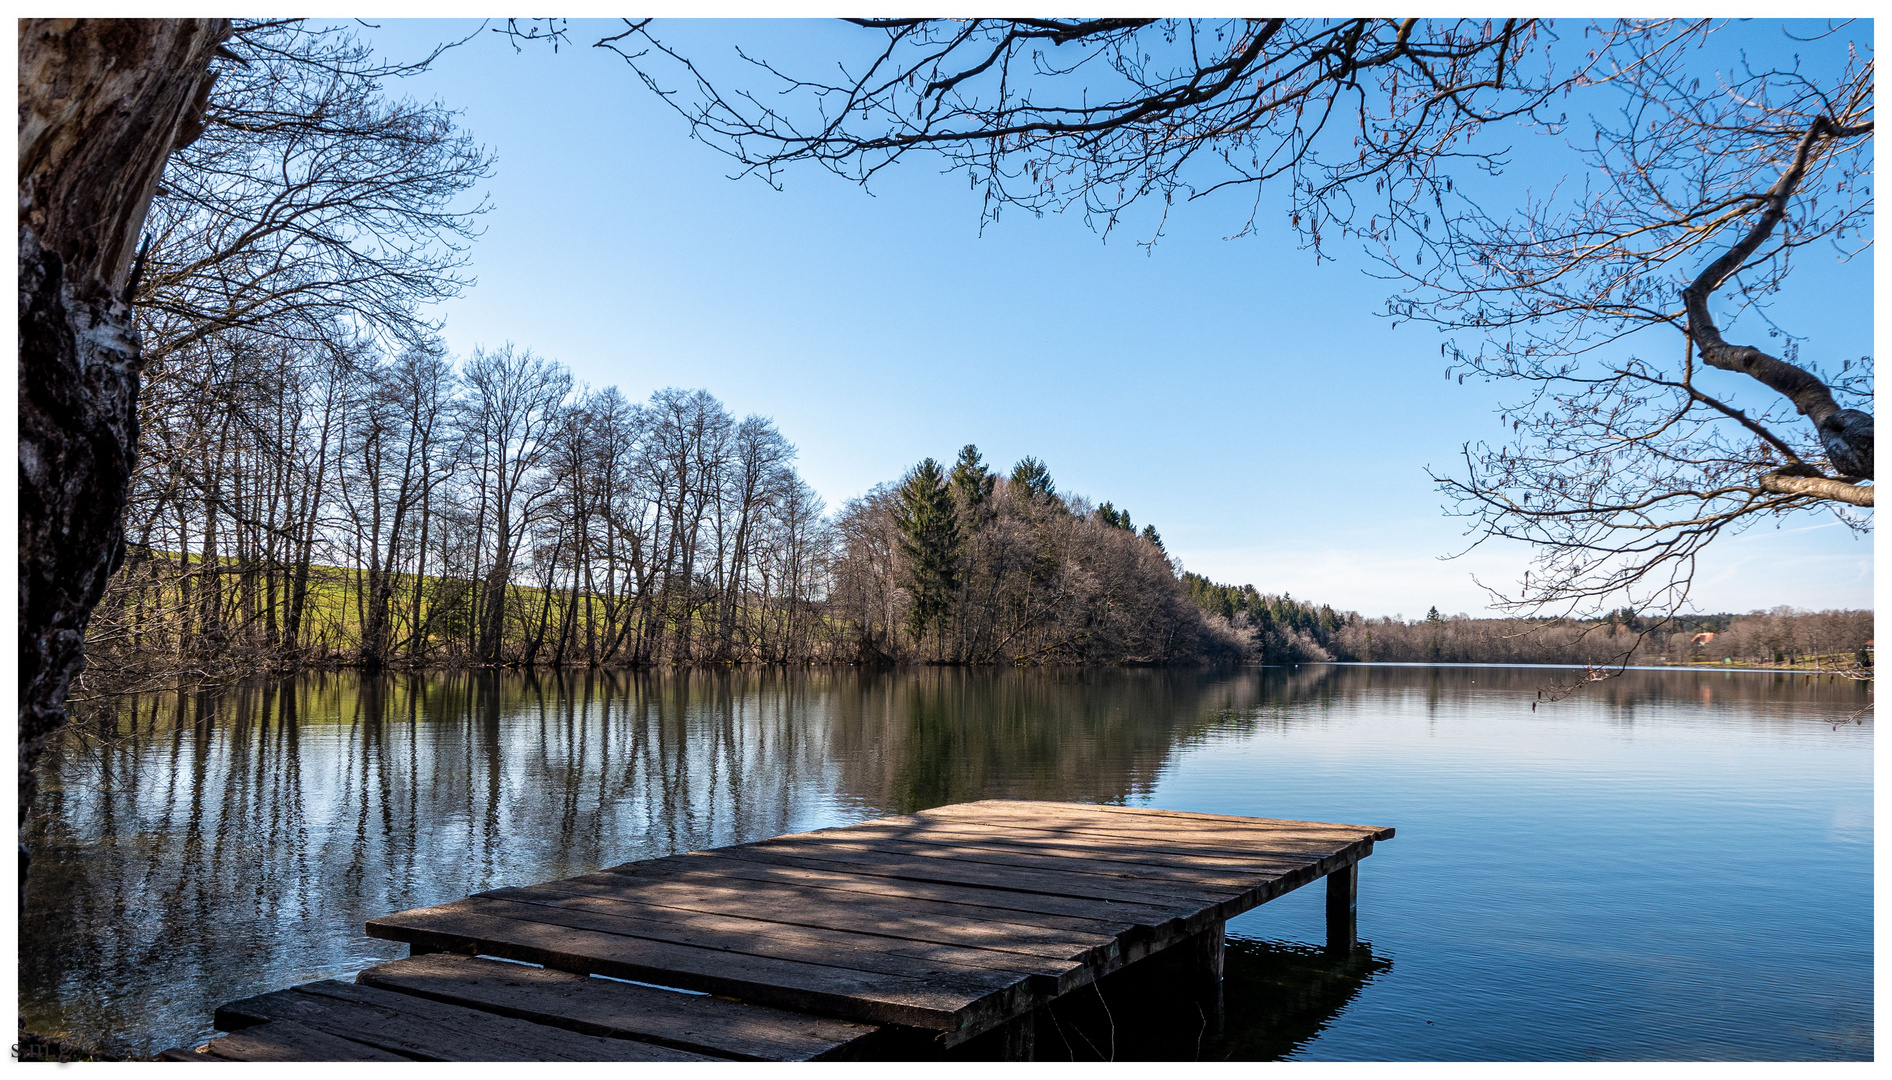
<point x="930" y="539"/>
<point x="972" y="485"/>
<point x="1150" y="534"/>
<point x="1115" y="518"/>
<point x="1033" y="480"/>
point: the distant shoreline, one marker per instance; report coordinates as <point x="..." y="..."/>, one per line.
<point x="1783" y="670"/>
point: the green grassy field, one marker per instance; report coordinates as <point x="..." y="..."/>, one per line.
<point x="332" y="617"/>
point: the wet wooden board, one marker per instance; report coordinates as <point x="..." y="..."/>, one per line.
<point x="696" y="1022"/>
<point x="422" y="1029"/>
<point x="954" y="920"/>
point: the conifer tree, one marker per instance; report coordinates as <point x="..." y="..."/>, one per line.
<point x="930" y="539"/>
<point x="1033" y="480"/>
<point x="972" y="485"/>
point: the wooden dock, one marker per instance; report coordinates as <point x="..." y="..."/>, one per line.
<point x="889" y="939"/>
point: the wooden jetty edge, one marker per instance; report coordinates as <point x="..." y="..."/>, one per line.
<point x="869" y="941"/>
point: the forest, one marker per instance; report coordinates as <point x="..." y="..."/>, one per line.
<point x="1278" y="629"/>
<point x="300" y="508"/>
<point x="372" y="510"/>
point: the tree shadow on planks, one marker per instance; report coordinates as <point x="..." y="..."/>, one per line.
<point x="1277" y="997"/>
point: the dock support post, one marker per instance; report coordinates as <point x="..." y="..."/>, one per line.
<point x="1209" y="948"/>
<point x="1343" y="888"/>
<point x="1021" y="1038"/>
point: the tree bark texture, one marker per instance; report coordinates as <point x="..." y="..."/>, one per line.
<point x="102" y="104"/>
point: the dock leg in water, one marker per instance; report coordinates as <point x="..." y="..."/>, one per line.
<point x="1343" y="887"/>
<point x="1210" y="947"/>
<point x="1021" y="1038"/>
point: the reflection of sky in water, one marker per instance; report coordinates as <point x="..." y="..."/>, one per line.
<point x="1852" y="824"/>
<point x="1671" y="864"/>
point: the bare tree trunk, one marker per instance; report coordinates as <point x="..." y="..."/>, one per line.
<point x="102" y="104"/>
<point x="418" y="640"/>
<point x="568" y="625"/>
<point x="210" y="592"/>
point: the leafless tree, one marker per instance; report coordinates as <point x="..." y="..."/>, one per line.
<point x="621" y="572"/>
<point x="1695" y="194"/>
<point x="334" y="505"/>
<point x="313" y="196"/>
<point x="396" y="456"/>
<point x="866" y="596"/>
<point x="298" y="235"/>
<point x="1052" y="114"/>
<point x="514" y="401"/>
<point x="1683" y="211"/>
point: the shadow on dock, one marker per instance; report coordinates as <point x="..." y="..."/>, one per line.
<point x="1277" y="996"/>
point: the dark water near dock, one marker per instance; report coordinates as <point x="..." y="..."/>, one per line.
<point x="1672" y="865"/>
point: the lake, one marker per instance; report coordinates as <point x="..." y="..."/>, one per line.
<point x="1668" y="865"/>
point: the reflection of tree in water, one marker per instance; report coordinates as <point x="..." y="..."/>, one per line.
<point x="926" y="738"/>
<point x="204" y="846"/>
<point x="1620" y="700"/>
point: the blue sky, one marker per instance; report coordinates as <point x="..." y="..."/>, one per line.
<point x="1249" y="404"/>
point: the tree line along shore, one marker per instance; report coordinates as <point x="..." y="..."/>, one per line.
<point x="407" y="511"/>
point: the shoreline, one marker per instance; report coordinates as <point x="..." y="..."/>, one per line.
<point x="336" y="669"/>
<point x="1783" y="670"/>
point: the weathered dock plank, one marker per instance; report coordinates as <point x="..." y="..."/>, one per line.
<point x="422" y="1029"/>
<point x="757" y="937"/>
<point x="703" y="1024"/>
<point x="281" y="1040"/>
<point x="1216" y="833"/>
<point x="1182" y="879"/>
<point x="957" y="919"/>
<point x="1102" y="847"/>
<point x="857" y="859"/>
<point x="1015" y="903"/>
<point x="866" y="913"/>
<point x="846" y="992"/>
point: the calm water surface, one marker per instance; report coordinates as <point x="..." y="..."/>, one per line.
<point x="1673" y="865"/>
